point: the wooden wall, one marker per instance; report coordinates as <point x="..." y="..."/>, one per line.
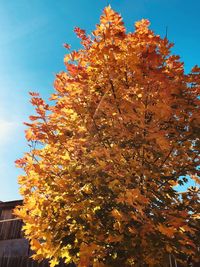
<point x="9" y="229"/>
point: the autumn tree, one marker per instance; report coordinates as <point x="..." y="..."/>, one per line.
<point x="122" y="131"/>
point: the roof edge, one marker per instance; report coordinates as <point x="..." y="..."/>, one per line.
<point x="10" y="204"/>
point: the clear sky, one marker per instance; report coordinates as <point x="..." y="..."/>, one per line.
<point x="31" y="53"/>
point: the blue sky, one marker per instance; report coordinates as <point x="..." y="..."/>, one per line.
<point x="31" y="53"/>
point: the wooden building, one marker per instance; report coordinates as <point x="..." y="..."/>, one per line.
<point x="12" y="242"/>
<point x="14" y="248"/>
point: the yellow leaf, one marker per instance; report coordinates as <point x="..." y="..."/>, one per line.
<point x="195" y="178"/>
<point x="53" y="262"/>
<point x="165" y="230"/>
<point x="65" y="254"/>
<point x="117" y="214"/>
<point x="35" y="244"/>
<point x="112" y="238"/>
<point x="29" y="134"/>
<point x="66" y="156"/>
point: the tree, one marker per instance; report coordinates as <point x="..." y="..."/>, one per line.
<point x="122" y="132"/>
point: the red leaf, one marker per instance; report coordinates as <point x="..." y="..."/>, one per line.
<point x="67" y="46"/>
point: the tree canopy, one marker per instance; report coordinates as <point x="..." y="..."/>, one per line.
<point x="121" y="132"/>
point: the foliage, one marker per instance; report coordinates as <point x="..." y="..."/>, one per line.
<point x="122" y="132"/>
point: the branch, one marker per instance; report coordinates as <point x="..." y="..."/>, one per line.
<point x="115" y="97"/>
<point x="168" y="155"/>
